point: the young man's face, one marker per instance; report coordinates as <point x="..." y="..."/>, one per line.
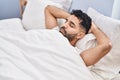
<point x="71" y="28"/>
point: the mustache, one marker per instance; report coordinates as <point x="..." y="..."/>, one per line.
<point x="63" y="28"/>
<point x="70" y="37"/>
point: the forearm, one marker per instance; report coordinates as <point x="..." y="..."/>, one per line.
<point x="57" y="12"/>
<point x="51" y="15"/>
<point x="100" y="36"/>
<point x="93" y="55"/>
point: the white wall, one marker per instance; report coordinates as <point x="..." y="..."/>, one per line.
<point x="103" y="6"/>
<point x="9" y="9"/>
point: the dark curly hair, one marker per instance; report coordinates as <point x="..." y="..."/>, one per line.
<point x="85" y="19"/>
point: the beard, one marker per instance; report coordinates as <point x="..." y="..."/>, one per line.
<point x="70" y="37"/>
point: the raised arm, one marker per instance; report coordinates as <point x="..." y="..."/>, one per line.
<point x="22" y="4"/>
<point x="93" y="55"/>
<point x="51" y="15"/>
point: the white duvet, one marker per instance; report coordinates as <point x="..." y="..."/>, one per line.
<point x="39" y="55"/>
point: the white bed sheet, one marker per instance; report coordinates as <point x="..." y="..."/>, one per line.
<point x="13" y="24"/>
<point x="39" y="55"/>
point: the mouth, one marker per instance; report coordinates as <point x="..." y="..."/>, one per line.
<point x="62" y="30"/>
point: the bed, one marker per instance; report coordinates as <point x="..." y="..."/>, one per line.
<point x="25" y="54"/>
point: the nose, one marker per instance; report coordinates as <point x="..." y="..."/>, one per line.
<point x="65" y="25"/>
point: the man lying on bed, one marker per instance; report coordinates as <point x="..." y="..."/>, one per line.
<point x="76" y="26"/>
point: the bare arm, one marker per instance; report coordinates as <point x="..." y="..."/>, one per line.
<point x="22" y="3"/>
<point x="51" y="15"/>
<point x="93" y="55"/>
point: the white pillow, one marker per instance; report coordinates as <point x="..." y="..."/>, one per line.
<point x="109" y="66"/>
<point x="86" y="42"/>
<point x="33" y="16"/>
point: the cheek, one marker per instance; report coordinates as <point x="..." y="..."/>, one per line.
<point x="72" y="31"/>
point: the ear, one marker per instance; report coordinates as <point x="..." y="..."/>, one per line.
<point x="80" y="35"/>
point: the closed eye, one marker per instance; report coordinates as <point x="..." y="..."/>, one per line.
<point x="72" y="24"/>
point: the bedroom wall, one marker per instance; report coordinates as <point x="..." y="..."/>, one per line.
<point x="9" y="9"/>
<point x="103" y="6"/>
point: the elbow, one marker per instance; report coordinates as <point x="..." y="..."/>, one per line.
<point x="48" y="7"/>
<point x="108" y="46"/>
<point x="90" y="63"/>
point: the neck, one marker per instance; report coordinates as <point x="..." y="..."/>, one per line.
<point x="73" y="42"/>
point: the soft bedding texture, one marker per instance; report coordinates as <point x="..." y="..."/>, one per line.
<point x="13" y="24"/>
<point x="39" y="55"/>
<point x="33" y="16"/>
<point x="109" y="66"/>
<point x="24" y="55"/>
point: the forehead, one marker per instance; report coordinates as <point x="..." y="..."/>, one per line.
<point x="74" y="19"/>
